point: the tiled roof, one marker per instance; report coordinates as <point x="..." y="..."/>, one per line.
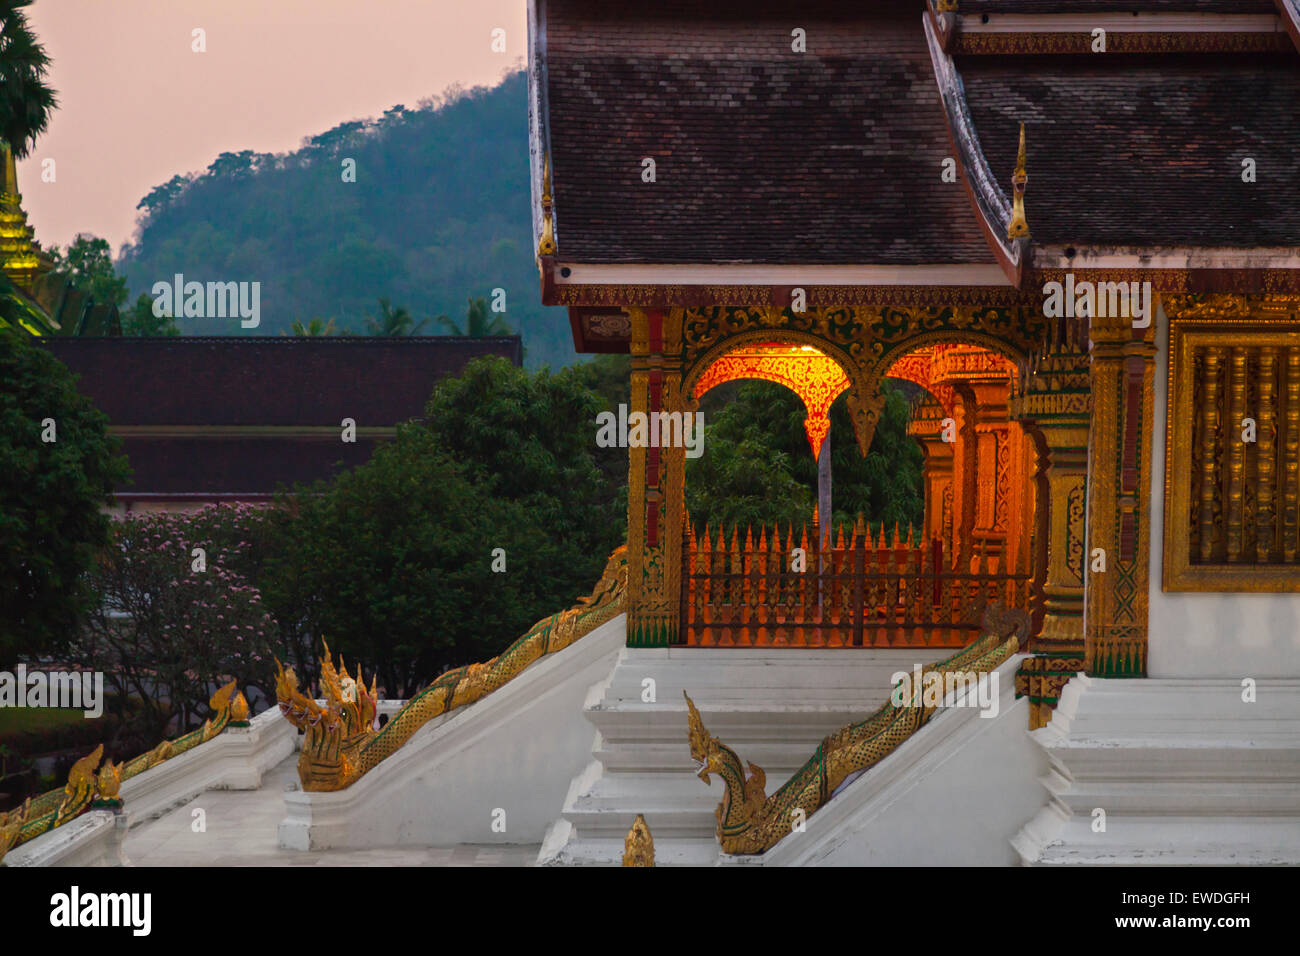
<point x="762" y="154"/>
<point x="234" y="466"/>
<point x="1145" y="150"/>
<point x="249" y="382"/>
<point x="967" y="7"/>
<point x="267" y="380"/>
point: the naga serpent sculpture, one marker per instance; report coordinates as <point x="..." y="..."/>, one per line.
<point x="750" y="822"/>
<point x="340" y="743"/>
<point x="84" y="787"/>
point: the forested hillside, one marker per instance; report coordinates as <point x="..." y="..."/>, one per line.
<point x="439" y="213"/>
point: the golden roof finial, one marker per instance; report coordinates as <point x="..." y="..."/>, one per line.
<point x="18" y="257"/>
<point x="1018" y="228"/>
<point x="546" y="244"/>
<point x="639" y="845"/>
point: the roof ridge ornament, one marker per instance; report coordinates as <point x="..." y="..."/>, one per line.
<point x="1018" y="228"/>
<point x="546" y="244"/>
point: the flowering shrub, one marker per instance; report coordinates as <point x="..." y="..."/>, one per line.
<point x="172" y="624"/>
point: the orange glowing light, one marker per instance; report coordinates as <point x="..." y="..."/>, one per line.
<point x="812" y="375"/>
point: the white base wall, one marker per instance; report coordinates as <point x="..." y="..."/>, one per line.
<point x="233" y="760"/>
<point x="92" y="839"/>
<point x="1203" y="634"/>
<point x="954" y="794"/>
<point x="515" y="750"/>
<point x="1185" y="771"/>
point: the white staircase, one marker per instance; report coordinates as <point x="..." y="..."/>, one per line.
<point x="1186" y="772"/>
<point x="771" y="705"/>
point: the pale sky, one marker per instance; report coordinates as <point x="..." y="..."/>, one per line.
<point x="137" y="105"/>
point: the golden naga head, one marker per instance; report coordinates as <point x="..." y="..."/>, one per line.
<point x="11" y="826"/>
<point x="639" y="845"/>
<point x="702" y="744"/>
<point x="221" y="699"/>
<point x="109" y="781"/>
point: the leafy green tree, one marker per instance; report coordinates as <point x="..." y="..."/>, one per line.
<point x="26" y="101"/>
<point x="51" y="497"/>
<point x="88" y="264"/>
<point x="479" y="322"/>
<point x="757" y="467"/>
<point x="392" y="561"/>
<point x="140" y="319"/>
<point x="394" y="321"/>
<point x="316" y="327"/>
<point x="165" y="632"/>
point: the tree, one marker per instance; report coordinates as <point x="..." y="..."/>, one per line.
<point x="52" y="495"/>
<point x="26" y="101"/>
<point x="479" y="322"/>
<point x="141" y="320"/>
<point x="314" y="328"/>
<point x="392" y="562"/>
<point x="167" y="628"/>
<point x="394" y="321"/>
<point x="88" y="265"/>
<point x="757" y="467"/>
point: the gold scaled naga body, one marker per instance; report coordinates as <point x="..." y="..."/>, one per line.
<point x="751" y="822"/>
<point x="341" y="744"/>
<point x="84" y="787"/>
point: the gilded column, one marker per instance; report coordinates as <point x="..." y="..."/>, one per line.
<point x="656" y="477"/>
<point x="1056" y="403"/>
<point x="1119" y="482"/>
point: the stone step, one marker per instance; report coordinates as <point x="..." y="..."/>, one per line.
<point x="773" y="707"/>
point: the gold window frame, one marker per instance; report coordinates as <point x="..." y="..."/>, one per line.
<point x="1185" y="337"/>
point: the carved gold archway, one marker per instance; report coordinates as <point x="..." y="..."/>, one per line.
<point x="807" y="371"/>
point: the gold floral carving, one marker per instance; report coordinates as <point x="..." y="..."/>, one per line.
<point x="1231" y="520"/>
<point x="639" y="845"/>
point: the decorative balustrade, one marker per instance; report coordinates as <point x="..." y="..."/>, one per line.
<point x="782" y="589"/>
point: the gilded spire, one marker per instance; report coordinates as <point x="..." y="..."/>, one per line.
<point x="19" y="258"/>
<point x="546" y="244"/>
<point x="1018" y="228"/>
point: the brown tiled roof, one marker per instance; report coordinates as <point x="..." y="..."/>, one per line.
<point x="249" y="382"/>
<point x="268" y="380"/>
<point x="1144" y="150"/>
<point x="763" y="155"/>
<point x="234" y="466"/>
<point x="967" y="7"/>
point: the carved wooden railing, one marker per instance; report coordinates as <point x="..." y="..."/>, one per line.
<point x="781" y="589"/>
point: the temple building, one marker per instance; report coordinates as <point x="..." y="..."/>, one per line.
<point x="1074" y="230"/>
<point x="1079" y="232"/>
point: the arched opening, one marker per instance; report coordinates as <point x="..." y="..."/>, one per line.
<point x="862" y="581"/>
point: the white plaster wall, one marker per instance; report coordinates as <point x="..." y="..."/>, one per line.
<point x="954" y="794"/>
<point x="516" y="749"/>
<point x="1202" y="634"/>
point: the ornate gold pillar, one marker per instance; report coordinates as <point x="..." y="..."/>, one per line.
<point x="1056" y="402"/>
<point x="1119" y="480"/>
<point x="926" y="426"/>
<point x="656" y="484"/>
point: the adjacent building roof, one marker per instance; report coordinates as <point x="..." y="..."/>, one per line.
<point x="213" y="417"/>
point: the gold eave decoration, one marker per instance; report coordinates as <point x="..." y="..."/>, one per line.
<point x="546" y="244"/>
<point x="1018" y="228"/>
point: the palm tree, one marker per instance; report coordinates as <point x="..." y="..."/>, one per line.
<point x="26" y="102"/>
<point x="313" y="328"/>
<point x="394" y="321"/>
<point x="479" y="322"/>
